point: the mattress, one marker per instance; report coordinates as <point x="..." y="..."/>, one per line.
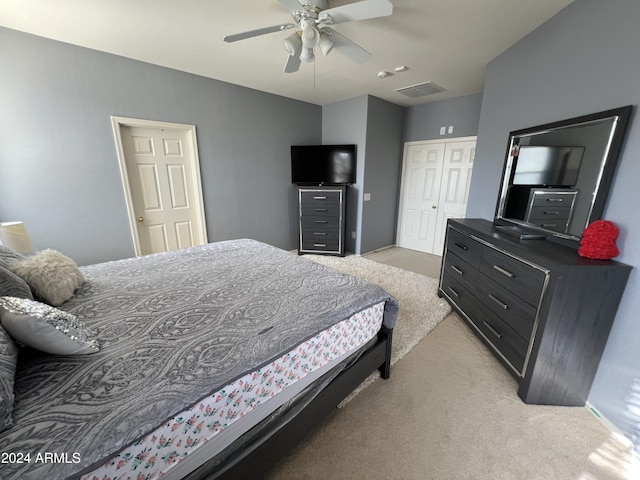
<point x="174" y="328"/>
<point x="198" y="434"/>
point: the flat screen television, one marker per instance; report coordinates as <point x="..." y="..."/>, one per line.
<point x="548" y="166"/>
<point x="323" y="164"/>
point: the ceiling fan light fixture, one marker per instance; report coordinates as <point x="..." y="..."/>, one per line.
<point x="307" y="55"/>
<point x="310" y="36"/>
<point x="292" y="43"/>
<point x="325" y="43"/>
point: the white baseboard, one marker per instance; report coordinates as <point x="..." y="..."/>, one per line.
<point x="604" y="420"/>
<point x="379" y="249"/>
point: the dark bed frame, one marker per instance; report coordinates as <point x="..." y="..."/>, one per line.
<point x="258" y="461"/>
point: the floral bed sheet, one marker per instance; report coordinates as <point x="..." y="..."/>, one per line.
<point x="157" y="453"/>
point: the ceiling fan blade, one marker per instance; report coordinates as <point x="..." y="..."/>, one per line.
<point x="293" y="62"/>
<point x="362" y="10"/>
<point x="347" y="47"/>
<point x="292" y="5"/>
<point x="260" y="31"/>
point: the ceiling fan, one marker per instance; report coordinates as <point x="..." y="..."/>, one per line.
<point x="313" y="20"/>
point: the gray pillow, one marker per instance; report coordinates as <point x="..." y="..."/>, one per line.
<point x="46" y="328"/>
<point x="8" y="360"/>
<point x="9" y="256"/>
<point x="12" y="285"/>
<point x="52" y="276"/>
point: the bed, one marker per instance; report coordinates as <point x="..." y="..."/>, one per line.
<point x="206" y="362"/>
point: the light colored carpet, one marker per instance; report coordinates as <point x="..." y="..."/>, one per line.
<point x="450" y="411"/>
<point x="420" y="307"/>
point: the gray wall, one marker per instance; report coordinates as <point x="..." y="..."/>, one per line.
<point x="423" y="122"/>
<point x="58" y="164"/>
<point x="346" y="122"/>
<point x="383" y="165"/>
<point x="585" y="59"/>
<point x="375" y="126"/>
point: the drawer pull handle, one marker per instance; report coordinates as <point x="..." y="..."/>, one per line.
<point x="454" y="292"/>
<point x="549" y="225"/>
<point x="492" y="330"/>
<point x="457" y="270"/>
<point x="503" y="271"/>
<point x="461" y="245"/>
<point x="319" y="221"/>
<point x="319" y="198"/>
<point x="498" y="301"/>
<point x="322" y="234"/>
<point x="555" y="200"/>
<point x="551" y="213"/>
<point x="323" y="245"/>
<point x="319" y="209"/>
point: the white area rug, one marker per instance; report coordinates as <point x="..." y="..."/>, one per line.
<point x="420" y="307"/>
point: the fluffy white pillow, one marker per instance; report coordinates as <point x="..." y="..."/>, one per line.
<point x="52" y="276"/>
<point x="46" y="328"/>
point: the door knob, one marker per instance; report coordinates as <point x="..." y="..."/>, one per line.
<point x="140" y="219"/>
<point x="434" y="207"/>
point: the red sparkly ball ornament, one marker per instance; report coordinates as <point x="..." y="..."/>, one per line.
<point x="599" y="241"/>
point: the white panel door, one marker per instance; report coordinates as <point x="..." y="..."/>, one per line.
<point x="454" y="188"/>
<point x="159" y="164"/>
<point x="421" y="189"/>
<point x="435" y="186"/>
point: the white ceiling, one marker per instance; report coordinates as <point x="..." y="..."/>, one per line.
<point x="448" y="42"/>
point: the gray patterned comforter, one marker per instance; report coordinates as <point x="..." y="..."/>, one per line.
<point x="173" y="328"/>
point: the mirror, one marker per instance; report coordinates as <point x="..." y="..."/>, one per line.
<point x="557" y="176"/>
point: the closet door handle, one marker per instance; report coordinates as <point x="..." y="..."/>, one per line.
<point x="498" y="301"/>
<point x="503" y="271"/>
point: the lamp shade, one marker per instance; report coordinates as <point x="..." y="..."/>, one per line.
<point x="14" y="235"/>
<point x="292" y="44"/>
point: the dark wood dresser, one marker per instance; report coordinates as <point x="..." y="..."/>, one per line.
<point x="321" y="222"/>
<point x="542" y="309"/>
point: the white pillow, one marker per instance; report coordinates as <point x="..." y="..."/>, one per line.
<point x="46" y="328"/>
<point x="51" y="275"/>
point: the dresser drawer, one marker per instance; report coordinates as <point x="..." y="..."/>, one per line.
<point x="515" y="312"/>
<point x="464" y="247"/>
<point x="319" y="234"/>
<point x="321" y="245"/>
<point x="460" y="270"/>
<point x="320" y="210"/>
<point x="558" y="199"/>
<point x="518" y="277"/>
<point x="549" y="212"/>
<point x="511" y="345"/>
<point x="457" y="292"/>
<point x="313" y="221"/>
<point x="320" y="197"/>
